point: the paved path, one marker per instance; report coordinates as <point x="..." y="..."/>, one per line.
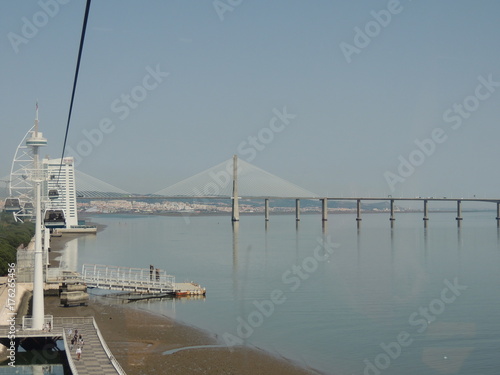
<point x="96" y="358"/>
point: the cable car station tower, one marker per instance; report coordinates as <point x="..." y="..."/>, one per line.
<point x="37" y="176"/>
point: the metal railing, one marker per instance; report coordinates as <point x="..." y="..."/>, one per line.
<point x="97" y="274"/>
<point x="58" y="274"/>
<point x="48" y="323"/>
<point x="110" y="355"/>
<point x="70" y="321"/>
<point x="72" y="365"/>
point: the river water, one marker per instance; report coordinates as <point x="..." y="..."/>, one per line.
<point x="340" y="299"/>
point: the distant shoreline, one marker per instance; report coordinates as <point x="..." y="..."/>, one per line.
<point x="84" y="214"/>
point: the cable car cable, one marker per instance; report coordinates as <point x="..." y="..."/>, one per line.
<point x="80" y="50"/>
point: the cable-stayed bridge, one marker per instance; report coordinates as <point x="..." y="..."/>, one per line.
<point x="252" y="183"/>
<point x="237" y="179"/>
<point x="213" y="183"/>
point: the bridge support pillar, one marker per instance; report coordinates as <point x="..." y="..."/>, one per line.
<point x="358" y="210"/>
<point x="324" y="209"/>
<point x="392" y="218"/>
<point x="459" y="210"/>
<point x="266" y="209"/>
<point x="498" y="214"/>
<point x="426" y="210"/>
<point x="235" y="207"/>
<point x="297" y="209"/>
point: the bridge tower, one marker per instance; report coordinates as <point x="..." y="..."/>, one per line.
<point x="235" y="206"/>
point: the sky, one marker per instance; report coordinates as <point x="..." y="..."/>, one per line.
<point x="343" y="98"/>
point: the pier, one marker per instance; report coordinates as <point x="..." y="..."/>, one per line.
<point x="139" y="280"/>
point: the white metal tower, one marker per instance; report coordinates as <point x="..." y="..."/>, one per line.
<point x="20" y="185"/>
<point x="37" y="177"/>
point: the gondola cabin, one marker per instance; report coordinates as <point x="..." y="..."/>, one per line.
<point x="54" y="219"/>
<point x="12" y="205"/>
<point x="28" y="208"/>
<point x="53" y="194"/>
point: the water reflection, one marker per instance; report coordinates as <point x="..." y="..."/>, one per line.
<point x="236" y="230"/>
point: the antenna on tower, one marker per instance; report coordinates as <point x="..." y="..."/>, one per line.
<point x="36" y="119"/>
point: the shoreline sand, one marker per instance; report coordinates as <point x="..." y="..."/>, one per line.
<point x="138" y="339"/>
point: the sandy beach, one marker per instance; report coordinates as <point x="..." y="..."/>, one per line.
<point x="139" y="338"/>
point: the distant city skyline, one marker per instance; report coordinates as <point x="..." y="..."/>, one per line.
<point x="343" y="99"/>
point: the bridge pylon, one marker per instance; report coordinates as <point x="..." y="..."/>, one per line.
<point x="235" y="216"/>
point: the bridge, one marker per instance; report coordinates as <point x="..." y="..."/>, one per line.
<point x="252" y="183"/>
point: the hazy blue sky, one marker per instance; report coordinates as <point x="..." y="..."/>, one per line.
<point x="357" y="85"/>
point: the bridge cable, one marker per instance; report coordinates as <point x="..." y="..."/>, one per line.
<point x="80" y="50"/>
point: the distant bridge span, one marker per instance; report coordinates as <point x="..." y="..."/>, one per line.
<point x="223" y="182"/>
<point x="324" y="202"/>
<point x="168" y="197"/>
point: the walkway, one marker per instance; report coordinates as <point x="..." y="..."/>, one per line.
<point x="96" y="357"/>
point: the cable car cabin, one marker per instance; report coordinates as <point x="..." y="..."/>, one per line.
<point x="53" y="194"/>
<point x="54" y="219"/>
<point x="12" y="205"/>
<point x="28" y="207"/>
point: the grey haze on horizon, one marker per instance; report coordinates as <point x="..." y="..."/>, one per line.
<point x="370" y="98"/>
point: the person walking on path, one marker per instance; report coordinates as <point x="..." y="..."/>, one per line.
<point x="78" y="353"/>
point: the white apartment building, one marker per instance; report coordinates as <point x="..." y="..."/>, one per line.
<point x="61" y="178"/>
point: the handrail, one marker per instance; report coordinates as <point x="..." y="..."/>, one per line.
<point x="110" y="355"/>
<point x="72" y="365"/>
<point x="60" y="320"/>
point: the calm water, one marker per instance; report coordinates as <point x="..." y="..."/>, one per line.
<point x="428" y="296"/>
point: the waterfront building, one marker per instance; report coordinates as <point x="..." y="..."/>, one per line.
<point x="59" y="189"/>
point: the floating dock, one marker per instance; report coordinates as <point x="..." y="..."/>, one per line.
<point x="138" y="280"/>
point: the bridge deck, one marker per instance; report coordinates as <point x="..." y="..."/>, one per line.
<point x="96" y="358"/>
